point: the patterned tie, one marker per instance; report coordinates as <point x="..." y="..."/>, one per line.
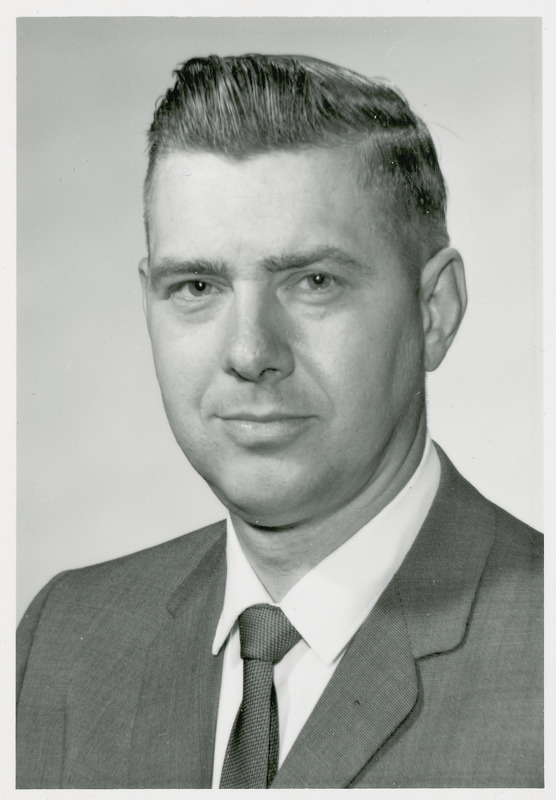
<point x="251" y="759"/>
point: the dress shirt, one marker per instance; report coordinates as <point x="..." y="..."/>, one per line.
<point x="327" y="606"/>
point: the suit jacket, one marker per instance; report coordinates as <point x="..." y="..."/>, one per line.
<point x="440" y="687"/>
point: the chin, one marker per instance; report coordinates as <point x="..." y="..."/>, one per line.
<point x="262" y="509"/>
<point x="262" y="512"/>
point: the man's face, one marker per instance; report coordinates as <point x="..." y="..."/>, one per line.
<point x="287" y="336"/>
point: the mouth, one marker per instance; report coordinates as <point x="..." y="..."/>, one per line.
<point x="252" y="429"/>
<point x="271" y="416"/>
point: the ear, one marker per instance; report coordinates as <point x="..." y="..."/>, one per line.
<point x="144" y="275"/>
<point x="443" y="304"/>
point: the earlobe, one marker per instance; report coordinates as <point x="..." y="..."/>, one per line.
<point x="443" y="304"/>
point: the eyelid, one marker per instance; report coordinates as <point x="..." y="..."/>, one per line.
<point x="174" y="292"/>
<point x="324" y="273"/>
<point x="179" y="283"/>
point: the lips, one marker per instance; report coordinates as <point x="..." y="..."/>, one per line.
<point x="268" y="428"/>
<point x="261" y="417"/>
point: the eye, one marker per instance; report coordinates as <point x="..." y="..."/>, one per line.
<point x="192" y="289"/>
<point x="316" y="288"/>
<point x="319" y="281"/>
<point x="197" y="288"/>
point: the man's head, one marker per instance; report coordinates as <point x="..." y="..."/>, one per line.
<point x="243" y="106"/>
<point x="289" y="339"/>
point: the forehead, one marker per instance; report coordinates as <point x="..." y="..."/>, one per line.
<point x="202" y="202"/>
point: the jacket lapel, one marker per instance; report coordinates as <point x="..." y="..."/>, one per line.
<point x="173" y="735"/>
<point x="423" y="611"/>
<point x="441" y="574"/>
<point x="371" y="692"/>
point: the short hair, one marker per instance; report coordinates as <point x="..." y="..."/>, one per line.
<point x="243" y="106"/>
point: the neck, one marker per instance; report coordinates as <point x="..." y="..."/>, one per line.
<point x="281" y="557"/>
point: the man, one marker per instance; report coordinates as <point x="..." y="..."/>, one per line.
<point x="365" y="618"/>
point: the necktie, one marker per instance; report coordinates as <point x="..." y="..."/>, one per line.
<point x="251" y="759"/>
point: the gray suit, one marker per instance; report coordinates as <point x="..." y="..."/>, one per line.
<point x="441" y="686"/>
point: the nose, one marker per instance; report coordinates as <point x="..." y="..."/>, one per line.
<point x="258" y="338"/>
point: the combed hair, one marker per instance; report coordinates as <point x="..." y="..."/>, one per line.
<point x="243" y="106"/>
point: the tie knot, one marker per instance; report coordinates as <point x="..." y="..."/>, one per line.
<point x="266" y="634"/>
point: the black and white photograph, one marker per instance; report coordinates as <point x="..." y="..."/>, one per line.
<point x="279" y="402"/>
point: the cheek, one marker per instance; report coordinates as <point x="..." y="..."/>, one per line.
<point x="182" y="366"/>
<point x="371" y="368"/>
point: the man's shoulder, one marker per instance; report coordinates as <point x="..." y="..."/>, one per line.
<point x="100" y="619"/>
<point x="517" y="537"/>
<point x="514" y="541"/>
<point x="178" y="555"/>
<point x="144" y="579"/>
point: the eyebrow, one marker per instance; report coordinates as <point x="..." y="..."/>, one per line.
<point x="170" y="267"/>
<point x="173" y="268"/>
<point x="312" y="257"/>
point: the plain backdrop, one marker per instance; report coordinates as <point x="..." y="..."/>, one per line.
<point x="99" y="473"/>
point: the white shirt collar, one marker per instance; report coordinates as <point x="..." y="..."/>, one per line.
<point x="330" y="602"/>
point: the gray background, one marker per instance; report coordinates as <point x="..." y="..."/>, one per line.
<point x="99" y="473"/>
